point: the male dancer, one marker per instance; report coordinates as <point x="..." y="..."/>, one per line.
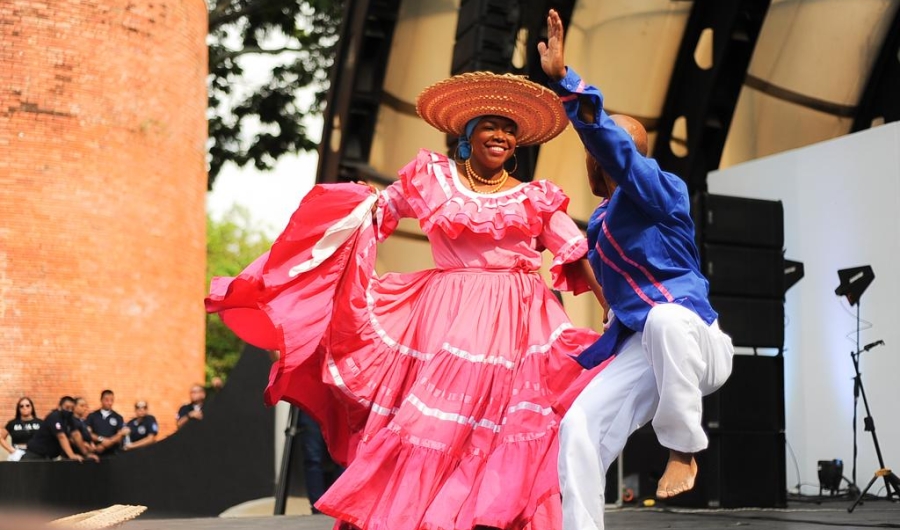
<point x="668" y="346"/>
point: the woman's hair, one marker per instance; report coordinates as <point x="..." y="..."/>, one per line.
<point x="19" y="411"/>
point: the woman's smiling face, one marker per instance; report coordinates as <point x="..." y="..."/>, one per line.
<point x="493" y="141"/>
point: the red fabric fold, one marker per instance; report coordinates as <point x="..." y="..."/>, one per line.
<point x="268" y="308"/>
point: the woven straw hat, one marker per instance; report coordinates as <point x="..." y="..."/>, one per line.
<point x="450" y="104"/>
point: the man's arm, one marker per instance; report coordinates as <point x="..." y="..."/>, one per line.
<point x="67" y="447"/>
<point x="185" y="417"/>
<point x="638" y="176"/>
<point x="106" y="443"/>
<point x="147" y="440"/>
<point x="94" y="436"/>
<point x="595" y="288"/>
<point x="79" y="442"/>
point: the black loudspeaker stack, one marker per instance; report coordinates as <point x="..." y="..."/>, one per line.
<point x="745" y="463"/>
<point x="485" y="36"/>
<point x="741" y="244"/>
<point x="741" y="248"/>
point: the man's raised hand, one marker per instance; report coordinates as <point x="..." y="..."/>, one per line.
<point x="552" y="58"/>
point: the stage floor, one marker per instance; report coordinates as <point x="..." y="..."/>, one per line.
<point x="799" y="515"/>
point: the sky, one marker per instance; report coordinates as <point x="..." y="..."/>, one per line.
<point x="270" y="196"/>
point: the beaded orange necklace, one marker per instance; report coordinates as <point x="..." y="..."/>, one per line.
<point x="472" y="176"/>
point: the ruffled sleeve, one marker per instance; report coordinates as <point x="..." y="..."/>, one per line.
<point x="565" y="241"/>
<point x="422" y="187"/>
<point x="391" y="207"/>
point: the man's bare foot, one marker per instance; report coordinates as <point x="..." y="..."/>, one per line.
<point x="679" y="475"/>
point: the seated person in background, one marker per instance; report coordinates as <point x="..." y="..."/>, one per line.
<point x="52" y="439"/>
<point x="194" y="409"/>
<point x="142" y="429"/>
<point x="106" y="425"/>
<point x="80" y="437"/>
<point x="216" y="384"/>
<point x="20" y="429"/>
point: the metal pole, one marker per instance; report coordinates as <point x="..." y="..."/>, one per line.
<point x="284" y="478"/>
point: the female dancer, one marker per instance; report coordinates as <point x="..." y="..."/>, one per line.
<point x="436" y="388"/>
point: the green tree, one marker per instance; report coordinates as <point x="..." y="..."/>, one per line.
<point x="231" y="244"/>
<point x="260" y="124"/>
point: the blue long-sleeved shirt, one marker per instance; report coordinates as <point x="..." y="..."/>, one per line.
<point x="641" y="240"/>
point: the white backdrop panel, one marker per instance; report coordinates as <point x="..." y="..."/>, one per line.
<point x="841" y="198"/>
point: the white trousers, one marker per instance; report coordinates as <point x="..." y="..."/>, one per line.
<point x="661" y="373"/>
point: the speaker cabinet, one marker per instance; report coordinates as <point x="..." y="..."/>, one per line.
<point x="737" y="470"/>
<point x="744" y="465"/>
<point x="744" y="271"/>
<point x="740" y="470"/>
<point x="485" y="36"/>
<point x="751" y="322"/>
<point x="752" y="400"/>
<point x="740" y="242"/>
<point x="738" y="221"/>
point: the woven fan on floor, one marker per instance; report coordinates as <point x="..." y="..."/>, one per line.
<point x="105" y="518"/>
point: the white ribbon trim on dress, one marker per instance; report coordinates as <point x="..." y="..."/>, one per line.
<point x="453" y="350"/>
<point x="336" y="235"/>
<point x="472" y="421"/>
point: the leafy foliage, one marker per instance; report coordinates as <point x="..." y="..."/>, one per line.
<point x="232" y="244"/>
<point x="260" y="124"/>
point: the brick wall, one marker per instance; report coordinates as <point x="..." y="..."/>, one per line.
<point x="102" y="193"/>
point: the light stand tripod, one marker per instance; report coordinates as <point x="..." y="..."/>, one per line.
<point x="891" y="481"/>
<point x="853" y="488"/>
<point x="854" y="282"/>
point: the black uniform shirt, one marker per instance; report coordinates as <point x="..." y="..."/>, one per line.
<point x="186" y="409"/>
<point x="106" y="427"/>
<point x="145" y="428"/>
<point x="22" y="430"/>
<point x="81" y="427"/>
<point x="44" y="442"/>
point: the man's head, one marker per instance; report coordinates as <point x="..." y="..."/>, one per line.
<point x="140" y="409"/>
<point x="107" y="398"/>
<point x="67" y="403"/>
<point x="634" y="129"/>
<point x="601" y="183"/>
<point x="198" y="394"/>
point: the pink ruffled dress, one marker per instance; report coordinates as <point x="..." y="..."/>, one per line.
<point x="437" y="388"/>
